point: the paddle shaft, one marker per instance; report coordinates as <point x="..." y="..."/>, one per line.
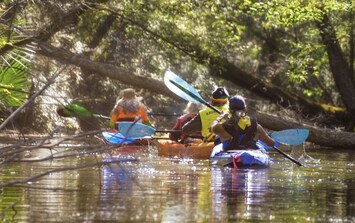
<point x="163" y="114"/>
<point x="167" y="138"/>
<point x="287" y="156"/>
<point x="195" y="97"/>
<point x="162" y="131"/>
<point x="82" y="111"/>
<point x="153" y="114"/>
<point x="100" y="116"/>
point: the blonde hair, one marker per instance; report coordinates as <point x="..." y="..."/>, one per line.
<point x="192" y="108"/>
<point x="128" y="100"/>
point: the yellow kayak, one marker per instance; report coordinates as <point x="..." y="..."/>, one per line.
<point x="195" y="150"/>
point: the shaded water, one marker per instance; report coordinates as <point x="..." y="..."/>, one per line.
<point x="157" y="189"/>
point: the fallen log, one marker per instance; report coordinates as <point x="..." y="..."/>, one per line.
<point x="321" y="136"/>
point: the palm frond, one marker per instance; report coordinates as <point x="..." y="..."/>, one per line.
<point x="14" y="83"/>
<point x="15" y="63"/>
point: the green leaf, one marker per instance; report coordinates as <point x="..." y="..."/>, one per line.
<point x="14" y="84"/>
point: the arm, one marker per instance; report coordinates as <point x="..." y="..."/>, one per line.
<point x="144" y="115"/>
<point x="114" y="117"/>
<point x="175" y="136"/>
<point x="263" y="136"/>
<point x="218" y="129"/>
<point x="193" y="126"/>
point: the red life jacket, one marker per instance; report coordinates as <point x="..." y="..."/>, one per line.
<point x="180" y="122"/>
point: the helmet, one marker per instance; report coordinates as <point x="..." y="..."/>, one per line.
<point x="220" y="93"/>
<point x="237" y="103"/>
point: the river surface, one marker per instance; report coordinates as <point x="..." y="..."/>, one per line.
<point x="156" y="189"/>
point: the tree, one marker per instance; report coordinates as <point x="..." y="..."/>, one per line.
<point x="263" y="47"/>
<point x="343" y="77"/>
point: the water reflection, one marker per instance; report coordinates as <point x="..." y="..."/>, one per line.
<point x="157" y="189"/>
<point x="238" y="193"/>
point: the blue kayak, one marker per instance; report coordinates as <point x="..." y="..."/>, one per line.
<point x="246" y="158"/>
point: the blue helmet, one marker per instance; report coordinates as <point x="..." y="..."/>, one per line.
<point x="237" y="103"/>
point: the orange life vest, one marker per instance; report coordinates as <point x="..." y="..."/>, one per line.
<point x="121" y="115"/>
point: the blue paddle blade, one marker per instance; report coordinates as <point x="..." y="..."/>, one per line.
<point x="117" y="138"/>
<point x="261" y="144"/>
<point x="135" y="130"/>
<point x="182" y="88"/>
<point x="291" y="137"/>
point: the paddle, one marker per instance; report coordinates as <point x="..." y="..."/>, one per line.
<point x="131" y="131"/>
<point x="163" y="114"/>
<point x="74" y="110"/>
<point x="118" y="138"/>
<point x="187" y="92"/>
<point x="292" y="137"/>
<point x="287" y="156"/>
<point x="137" y="130"/>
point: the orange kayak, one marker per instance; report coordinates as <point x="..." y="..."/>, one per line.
<point x="129" y="150"/>
<point x="138" y="146"/>
<point x="168" y="148"/>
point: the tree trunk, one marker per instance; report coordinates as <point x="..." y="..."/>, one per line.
<point x="343" y="77"/>
<point x="320" y="136"/>
<point x="323" y="137"/>
<point x="275" y="93"/>
<point x="106" y="70"/>
<point x="224" y="69"/>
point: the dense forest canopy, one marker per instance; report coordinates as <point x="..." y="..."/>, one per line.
<point x="298" y="55"/>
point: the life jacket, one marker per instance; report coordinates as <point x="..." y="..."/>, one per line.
<point x="207" y="116"/>
<point x="123" y="116"/>
<point x="180" y="122"/>
<point x="242" y="129"/>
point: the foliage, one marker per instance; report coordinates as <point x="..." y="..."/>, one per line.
<point x="148" y="37"/>
<point x="306" y="56"/>
<point x="14" y="84"/>
<point x="236" y="30"/>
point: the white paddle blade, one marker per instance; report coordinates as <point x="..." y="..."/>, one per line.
<point x="170" y="76"/>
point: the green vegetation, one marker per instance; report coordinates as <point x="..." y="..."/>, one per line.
<point x="300" y="52"/>
<point x="14" y="82"/>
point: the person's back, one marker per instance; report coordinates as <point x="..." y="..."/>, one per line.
<point x="202" y="122"/>
<point x="190" y="111"/>
<point x="240" y="131"/>
<point x="129" y="108"/>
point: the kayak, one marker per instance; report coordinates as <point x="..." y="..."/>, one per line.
<point x="169" y="148"/>
<point x="116" y="138"/>
<point x="129" y="150"/>
<point x="245" y="158"/>
<point x="127" y="146"/>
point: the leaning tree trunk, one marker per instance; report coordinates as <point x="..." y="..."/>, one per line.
<point x="224" y="69"/>
<point x="343" y="77"/>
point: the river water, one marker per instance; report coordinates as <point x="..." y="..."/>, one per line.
<point x="149" y="188"/>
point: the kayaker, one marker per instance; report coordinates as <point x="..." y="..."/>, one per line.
<point x="240" y="131"/>
<point x="202" y="122"/>
<point x="190" y="112"/>
<point x="129" y="108"/>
